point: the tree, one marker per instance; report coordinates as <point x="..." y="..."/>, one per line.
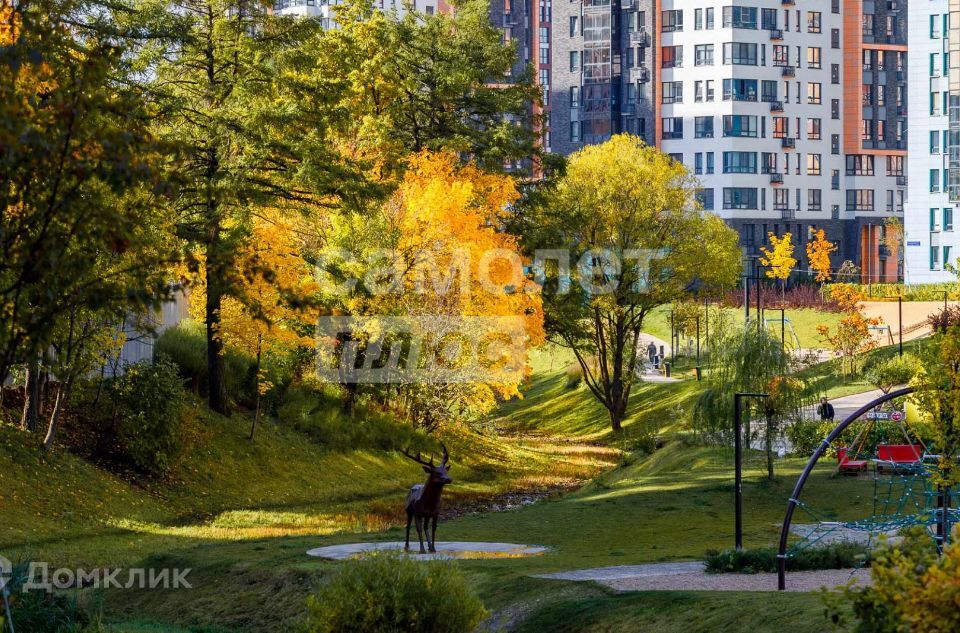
<point x="273" y="311"/>
<point x="443" y="82"/>
<point x="617" y="201"/>
<point x="79" y="179"/>
<point x="424" y="257"/>
<point x="229" y="85"/>
<point x="753" y="360"/>
<point x="850" y="339"/>
<point x="779" y="257"/>
<point x="819" y="250"/>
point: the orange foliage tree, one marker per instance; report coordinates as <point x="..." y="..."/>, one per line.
<point x="434" y="254"/>
<point x="818" y="254"/>
<point x="273" y="310"/>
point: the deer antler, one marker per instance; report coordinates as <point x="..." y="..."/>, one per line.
<point x="417" y="459"/>
<point x="446" y="455"/>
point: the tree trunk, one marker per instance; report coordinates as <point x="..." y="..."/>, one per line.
<point x="769" y="447"/>
<point x="216" y="381"/>
<point x="63" y="392"/>
<point x="256" y="411"/>
<point x="31" y="396"/>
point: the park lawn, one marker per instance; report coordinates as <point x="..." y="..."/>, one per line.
<point x="804" y="322"/>
<point x="673" y="505"/>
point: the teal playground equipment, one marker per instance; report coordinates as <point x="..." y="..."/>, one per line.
<point x="873" y="441"/>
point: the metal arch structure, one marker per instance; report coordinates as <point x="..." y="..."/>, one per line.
<point x="817" y="454"/>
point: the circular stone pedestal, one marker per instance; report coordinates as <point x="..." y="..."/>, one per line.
<point x="445" y="549"/>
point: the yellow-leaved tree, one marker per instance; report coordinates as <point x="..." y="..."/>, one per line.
<point x="779" y="258"/>
<point x="434" y="257"/>
<point x="274" y="310"/>
<point x="819" y="250"/>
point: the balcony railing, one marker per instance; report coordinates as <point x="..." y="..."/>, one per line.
<point x="776" y="34"/>
<point x="788" y="214"/>
<point x="788" y="71"/>
<point x="901" y="181"/>
<point x="788" y="143"/>
<point x="639" y="74"/>
<point x="640" y="37"/>
<point x="776" y="106"/>
<point x="776" y="179"/>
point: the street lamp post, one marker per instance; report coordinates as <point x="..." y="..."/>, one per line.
<point x="697" y="319"/>
<point x="738" y="464"/>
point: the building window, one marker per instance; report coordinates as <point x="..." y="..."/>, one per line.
<point x="813" y="165"/>
<point x="813" y="129"/>
<point x="814" y="200"/>
<point x="814" y="22"/>
<point x="739" y="162"/>
<point x="934" y="181"/>
<point x="672" y="21"/>
<point x="574" y="131"/>
<point x="859" y="199"/>
<point x="813" y="93"/>
<point x="860" y="165"/>
<point x="739" y="89"/>
<point x="948" y="218"/>
<point x="705" y="198"/>
<point x="574" y="61"/>
<point x="673" y="128"/>
<point x="672" y="92"/>
<point x="671" y="56"/>
<point x="739" y="54"/>
<point x="740" y="125"/>
<point x="813" y="57"/>
<point x="703" y="127"/>
<point x="703" y="55"/>
<point x="739" y="198"/>
<point x="740" y="17"/>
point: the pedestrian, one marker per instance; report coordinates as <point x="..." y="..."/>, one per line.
<point x="825" y="410"/>
<point x="652" y="351"/>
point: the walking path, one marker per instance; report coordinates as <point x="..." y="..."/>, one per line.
<point x="692" y="576"/>
<point x="445" y="549"/>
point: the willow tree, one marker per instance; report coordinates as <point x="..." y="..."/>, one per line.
<point x="754" y="360"/>
<point x="626" y="217"/>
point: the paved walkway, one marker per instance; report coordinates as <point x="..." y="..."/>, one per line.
<point x="692" y="576"/>
<point x="445" y="549"/>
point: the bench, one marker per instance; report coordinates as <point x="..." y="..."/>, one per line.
<point x="894" y="456"/>
<point x="848" y="465"/>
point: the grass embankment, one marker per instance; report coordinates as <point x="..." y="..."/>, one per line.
<point x="242" y="515"/>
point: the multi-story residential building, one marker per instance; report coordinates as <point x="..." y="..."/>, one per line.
<point x="324" y="9"/>
<point x="931" y="238"/>
<point x="793" y="115"/>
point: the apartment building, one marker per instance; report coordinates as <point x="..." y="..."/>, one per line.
<point x="324" y="9"/>
<point x="931" y="238"/>
<point x="793" y="115"/>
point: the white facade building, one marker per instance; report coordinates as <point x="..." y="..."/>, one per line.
<point x="931" y="237"/>
<point x="791" y="120"/>
<point x="324" y="9"/>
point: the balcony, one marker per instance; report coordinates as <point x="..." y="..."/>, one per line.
<point x="641" y="38"/>
<point x="628" y="5"/>
<point x="884" y="251"/>
<point x="788" y="143"/>
<point x="776" y="179"/>
<point x="776" y="106"/>
<point x="788" y="214"/>
<point x="901" y="181"/>
<point x="787" y="3"/>
<point x="776" y="34"/>
<point x="628" y="109"/>
<point x="788" y="71"/>
<point x="639" y="74"/>
<point x="901" y="110"/>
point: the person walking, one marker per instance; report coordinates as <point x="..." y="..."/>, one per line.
<point x="825" y="410"/>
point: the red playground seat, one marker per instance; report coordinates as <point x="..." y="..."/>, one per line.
<point x="895" y="455"/>
<point x="848" y="465"/>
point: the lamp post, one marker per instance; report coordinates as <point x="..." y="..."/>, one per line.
<point x="738" y="463"/>
<point x="783" y="326"/>
<point x="697" y="319"/>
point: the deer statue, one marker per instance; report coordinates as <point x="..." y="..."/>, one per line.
<point x="423" y="500"/>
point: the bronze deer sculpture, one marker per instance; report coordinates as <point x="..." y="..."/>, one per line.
<point x="423" y="500"/>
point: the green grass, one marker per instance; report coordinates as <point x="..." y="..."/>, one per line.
<point x="242" y="515"/>
<point x="804" y="322"/>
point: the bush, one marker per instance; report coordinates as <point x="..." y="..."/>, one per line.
<point x="37" y="611"/>
<point x="148" y="402"/>
<point x="393" y="594"/>
<point x="841" y="555"/>
<point x="186" y="346"/>
<point x="806" y="435"/>
<point x="574" y="376"/>
<point x="888" y="373"/>
<point x="319" y="415"/>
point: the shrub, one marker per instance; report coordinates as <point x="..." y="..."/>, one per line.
<point x="186" y="346"/>
<point x="148" y="402"/>
<point x="806" y="435"/>
<point x="890" y="372"/>
<point x="394" y="594"/>
<point x="37" y="611"/>
<point x="842" y="555"/>
<point x="574" y="376"/>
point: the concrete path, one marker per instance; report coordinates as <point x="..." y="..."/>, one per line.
<point x="692" y="576"/>
<point x="445" y="549"/>
<point x="621" y="572"/>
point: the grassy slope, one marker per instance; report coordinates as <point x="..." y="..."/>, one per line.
<point x="242" y="515"/>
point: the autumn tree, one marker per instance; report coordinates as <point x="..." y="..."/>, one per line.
<point x="434" y="257"/>
<point x="273" y="310"/>
<point x="779" y="258"/>
<point x="229" y="84"/>
<point x="819" y="250"/>
<point x="79" y="179"/>
<point x="626" y="217"/>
